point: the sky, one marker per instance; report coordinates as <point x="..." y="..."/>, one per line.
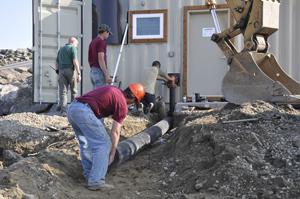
<point x="16" y="24"/>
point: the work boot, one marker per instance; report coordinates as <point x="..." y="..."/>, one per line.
<point x="102" y="187"/>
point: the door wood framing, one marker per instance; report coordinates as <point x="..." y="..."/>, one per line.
<point x="186" y="14"/>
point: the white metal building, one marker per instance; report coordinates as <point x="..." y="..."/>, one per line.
<point x="185" y="49"/>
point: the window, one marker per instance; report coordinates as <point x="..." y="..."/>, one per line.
<point x="148" y="26"/>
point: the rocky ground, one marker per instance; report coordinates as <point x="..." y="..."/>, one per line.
<point x="8" y="56"/>
<point x="16" y="84"/>
<point x="250" y="151"/>
<point x="214" y="155"/>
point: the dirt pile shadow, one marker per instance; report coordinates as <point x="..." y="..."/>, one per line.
<point x="209" y="158"/>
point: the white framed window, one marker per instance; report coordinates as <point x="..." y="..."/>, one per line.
<point x="148" y="26"/>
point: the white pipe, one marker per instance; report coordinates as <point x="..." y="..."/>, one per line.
<point x="58" y="24"/>
<point x="120" y="53"/>
<point x="41" y="53"/>
<point x="58" y="41"/>
<point x="216" y="20"/>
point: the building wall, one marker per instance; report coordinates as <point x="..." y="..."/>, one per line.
<point x="135" y="57"/>
<point x="285" y="43"/>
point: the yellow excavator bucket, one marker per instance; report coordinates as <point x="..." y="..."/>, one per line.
<point x="254" y="74"/>
<point x="258" y="76"/>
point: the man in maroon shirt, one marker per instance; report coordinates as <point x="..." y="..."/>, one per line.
<point x="97" y="58"/>
<point x="97" y="148"/>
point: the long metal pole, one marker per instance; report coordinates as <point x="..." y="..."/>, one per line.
<point x="215" y="19"/>
<point x="119" y="56"/>
<point x="212" y="7"/>
<point x="58" y="42"/>
<point x="41" y="53"/>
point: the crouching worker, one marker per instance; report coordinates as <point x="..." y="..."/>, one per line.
<point x="97" y="147"/>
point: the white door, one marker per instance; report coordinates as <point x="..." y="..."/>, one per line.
<point x="206" y="63"/>
<point x="53" y="22"/>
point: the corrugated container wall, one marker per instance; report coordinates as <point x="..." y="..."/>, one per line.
<point x="284" y="43"/>
<point x="135" y="57"/>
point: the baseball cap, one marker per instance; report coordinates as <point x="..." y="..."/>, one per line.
<point x="105" y="28"/>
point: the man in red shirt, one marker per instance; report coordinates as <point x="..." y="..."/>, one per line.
<point x="97" y="58"/>
<point x="97" y="148"/>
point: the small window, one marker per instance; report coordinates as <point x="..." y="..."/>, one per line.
<point x="148" y="26"/>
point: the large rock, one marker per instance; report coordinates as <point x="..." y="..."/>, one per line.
<point x="19" y="99"/>
<point x="16" y="97"/>
<point x="10" y="157"/>
<point x="8" y="93"/>
<point x="16" y="88"/>
<point x="24" y="102"/>
<point x="8" y="96"/>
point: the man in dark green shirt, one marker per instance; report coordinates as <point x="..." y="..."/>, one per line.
<point x="69" y="72"/>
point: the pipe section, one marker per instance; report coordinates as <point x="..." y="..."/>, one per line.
<point x="172" y="100"/>
<point x="129" y="147"/>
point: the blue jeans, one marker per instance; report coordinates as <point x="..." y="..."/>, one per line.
<point x="95" y="143"/>
<point x="97" y="77"/>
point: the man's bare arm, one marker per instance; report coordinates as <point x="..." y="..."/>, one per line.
<point x="166" y="78"/>
<point x="115" y="136"/>
<point x="77" y="67"/>
<point x="103" y="66"/>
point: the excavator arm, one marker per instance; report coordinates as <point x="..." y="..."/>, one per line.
<point x="254" y="73"/>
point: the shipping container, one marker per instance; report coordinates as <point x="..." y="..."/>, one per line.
<point x="53" y="23"/>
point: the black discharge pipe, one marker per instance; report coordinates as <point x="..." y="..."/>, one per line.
<point x="129" y="147"/>
<point x="172" y="86"/>
<point x="172" y="100"/>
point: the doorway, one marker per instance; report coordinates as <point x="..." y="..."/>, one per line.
<point x="204" y="63"/>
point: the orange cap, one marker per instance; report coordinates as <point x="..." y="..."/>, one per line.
<point x="137" y="90"/>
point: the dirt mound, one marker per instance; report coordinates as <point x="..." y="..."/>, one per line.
<point x="49" y="165"/>
<point x="207" y="156"/>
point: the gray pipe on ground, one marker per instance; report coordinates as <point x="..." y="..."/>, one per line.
<point x="129" y="147"/>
